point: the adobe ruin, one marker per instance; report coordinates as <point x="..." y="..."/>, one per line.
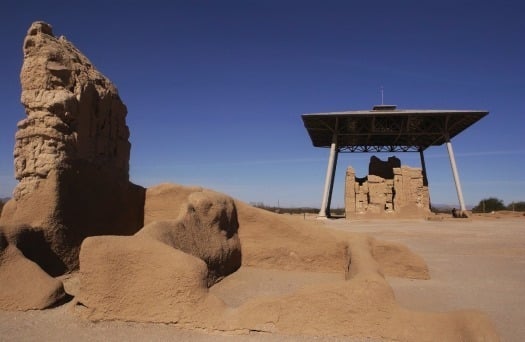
<point x="71" y="157"/>
<point x="387" y="129"/>
<point x="390" y="188"/>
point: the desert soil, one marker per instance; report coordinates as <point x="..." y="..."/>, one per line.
<point x="474" y="263"/>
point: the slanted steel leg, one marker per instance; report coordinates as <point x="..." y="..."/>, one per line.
<point x="456" y="176"/>
<point x="329" y="181"/>
<point x="329" y="203"/>
<point x="425" y="178"/>
<point x="423" y="167"/>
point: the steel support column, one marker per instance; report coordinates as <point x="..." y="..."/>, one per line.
<point x="425" y="178"/>
<point x="423" y="167"/>
<point x="329" y="204"/>
<point x="329" y="181"/>
<point x="456" y="175"/>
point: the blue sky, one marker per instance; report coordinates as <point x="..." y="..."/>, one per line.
<point x="215" y="89"/>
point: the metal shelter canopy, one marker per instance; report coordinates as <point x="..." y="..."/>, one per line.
<point x="387" y="129"/>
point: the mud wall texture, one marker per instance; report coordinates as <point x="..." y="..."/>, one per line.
<point x="388" y="189"/>
<point x="71" y="156"/>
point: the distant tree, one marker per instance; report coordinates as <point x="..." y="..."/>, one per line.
<point x="487" y="205"/>
<point x="516" y="206"/>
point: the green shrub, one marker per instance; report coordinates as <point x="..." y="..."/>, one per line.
<point x="516" y="206"/>
<point x="488" y="205"/>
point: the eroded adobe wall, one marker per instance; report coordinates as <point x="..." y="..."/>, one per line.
<point x="71" y="153"/>
<point x="388" y="189"/>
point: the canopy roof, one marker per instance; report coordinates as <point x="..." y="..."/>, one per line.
<point x="387" y="129"/>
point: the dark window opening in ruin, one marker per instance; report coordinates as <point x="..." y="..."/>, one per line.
<point x="361" y="180"/>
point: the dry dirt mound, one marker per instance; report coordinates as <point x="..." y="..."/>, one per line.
<point x="141" y="279"/>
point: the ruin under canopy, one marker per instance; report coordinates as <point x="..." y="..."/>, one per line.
<point x="387" y="129"/>
<point x="389" y="188"/>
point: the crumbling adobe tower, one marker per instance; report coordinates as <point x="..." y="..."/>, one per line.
<point x="71" y="157"/>
<point x="389" y="188"/>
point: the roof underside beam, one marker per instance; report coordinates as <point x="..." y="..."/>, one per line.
<point x="391" y="132"/>
<point x="366" y="148"/>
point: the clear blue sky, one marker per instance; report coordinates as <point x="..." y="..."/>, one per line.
<point x="215" y="89"/>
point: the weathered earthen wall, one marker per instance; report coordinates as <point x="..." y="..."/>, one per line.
<point x="71" y="156"/>
<point x="402" y="192"/>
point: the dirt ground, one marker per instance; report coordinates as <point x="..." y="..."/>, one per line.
<point x="474" y="263"/>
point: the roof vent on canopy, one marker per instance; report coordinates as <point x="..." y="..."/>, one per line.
<point x="384" y="107"/>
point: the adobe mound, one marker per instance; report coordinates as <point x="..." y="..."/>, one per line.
<point x="163" y="272"/>
<point x="286" y="242"/>
<point x="23" y="284"/>
<point x="139" y="279"/>
<point x="363" y="305"/>
<point x="206" y="227"/>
